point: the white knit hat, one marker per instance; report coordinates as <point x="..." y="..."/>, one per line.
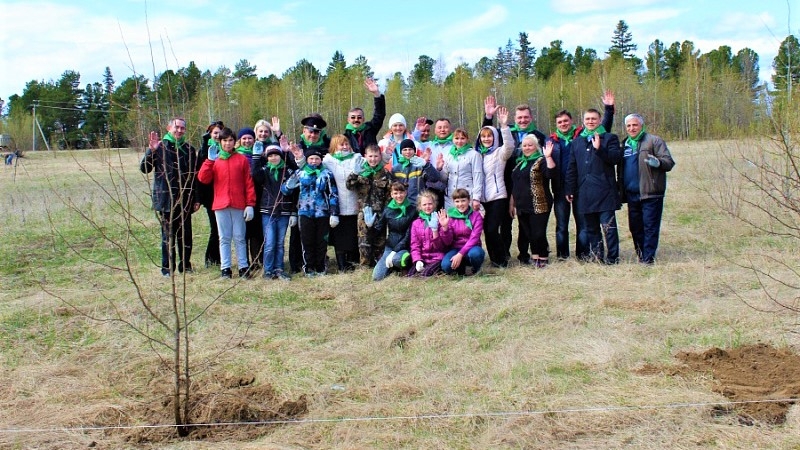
<point x="397" y="118"/>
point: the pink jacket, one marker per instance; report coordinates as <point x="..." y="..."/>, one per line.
<point x="424" y="247"/>
<point x="464" y="238"/>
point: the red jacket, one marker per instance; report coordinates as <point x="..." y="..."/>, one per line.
<point x="233" y="185"/>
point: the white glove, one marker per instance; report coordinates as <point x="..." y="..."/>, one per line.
<point x="369" y="216"/>
<point x="417" y="162"/>
<point x="420" y="266"/>
<point x="292" y="221"/>
<point x="389" y="259"/>
<point x="433" y="224"/>
<point x="258" y="148"/>
<point x="334" y="220"/>
<point x="292" y="182"/>
<point x="248" y="214"/>
<point x="213" y="151"/>
<point x="652" y="161"/>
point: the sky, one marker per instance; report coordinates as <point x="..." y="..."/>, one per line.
<point x="39" y="40"/>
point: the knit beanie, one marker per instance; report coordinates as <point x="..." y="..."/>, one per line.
<point x="397" y="118"/>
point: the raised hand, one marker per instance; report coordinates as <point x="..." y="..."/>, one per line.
<point x="444" y="219"/>
<point x="548" y="149"/>
<point x="420" y="123"/>
<point x="276" y="125"/>
<point x="608" y="97"/>
<point x="284" y="143"/>
<point x="213" y="151"/>
<point x="153" y="140"/>
<point x="372" y="86"/>
<point x="426" y="155"/>
<point x="258" y="148"/>
<point x="502" y="116"/>
<point x="296" y="151"/>
<point x="440" y="162"/>
<point x="489" y="106"/>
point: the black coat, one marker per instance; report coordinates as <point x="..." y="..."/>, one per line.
<point x="369" y="135"/>
<point x="591" y="175"/>
<point x="175" y="178"/>
<point x="399" y="227"/>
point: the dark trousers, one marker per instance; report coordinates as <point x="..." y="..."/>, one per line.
<point x="562" y="209"/>
<point x="495" y="212"/>
<point x="176" y="232"/>
<point x="295" y="249"/>
<point x="533" y="231"/>
<point x="599" y="225"/>
<point x="254" y="235"/>
<point x="212" y="249"/>
<point x="644" y="221"/>
<point x="507" y="233"/>
<point x="313" y="232"/>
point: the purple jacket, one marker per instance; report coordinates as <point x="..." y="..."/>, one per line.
<point x="424" y="247"/>
<point x="464" y="238"/>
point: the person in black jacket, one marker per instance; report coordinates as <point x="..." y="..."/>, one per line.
<point x="174" y="162"/>
<point x="397" y="218"/>
<point x="362" y="134"/>
<point x="592" y="183"/>
<point x="205" y="193"/>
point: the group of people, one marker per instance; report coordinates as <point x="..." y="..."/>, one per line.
<point x="410" y="201"/>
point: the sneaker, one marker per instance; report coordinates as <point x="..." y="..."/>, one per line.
<point x="268" y="275"/>
<point x="281" y="275"/>
<point x="525" y="262"/>
<point x="311" y="274"/>
<point x="187" y="269"/>
<point x="244" y="272"/>
<point x="541" y="263"/>
<point x="227" y="273"/>
<point x="165" y="274"/>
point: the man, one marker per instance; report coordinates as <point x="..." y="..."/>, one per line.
<point x="359" y="133"/>
<point x="422" y="132"/>
<point x="313" y="136"/>
<point x="174" y="183"/>
<point x="643" y="182"/>
<point x="592" y="184"/>
<point x="439" y="145"/>
<point x="565" y="132"/>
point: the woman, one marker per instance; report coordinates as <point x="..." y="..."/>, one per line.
<point x="341" y="162"/>
<point x="531" y="199"/>
<point x="390" y="144"/>
<point x="255" y="233"/>
<point x="462" y="168"/>
<point x="205" y="193"/>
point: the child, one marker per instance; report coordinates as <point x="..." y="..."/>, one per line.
<point x="531" y="199"/>
<point x="414" y="172"/>
<point x="317" y="208"/>
<point x="342" y="162"/>
<point x="234" y="199"/>
<point x="277" y="211"/>
<point x="397" y="217"/>
<point x="466" y="226"/>
<point x="430" y="237"/>
<point x="462" y="168"/>
<point x="372" y="186"/>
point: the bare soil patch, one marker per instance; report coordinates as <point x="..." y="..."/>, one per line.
<point x="750" y="374"/>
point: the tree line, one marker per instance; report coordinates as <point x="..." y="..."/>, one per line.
<point x="683" y="93"/>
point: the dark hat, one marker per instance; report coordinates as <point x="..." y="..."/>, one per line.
<point x="314" y="121"/>
<point x="273" y="149"/>
<point x="429" y="121"/>
<point x="312" y="151"/>
<point x="407" y="143"/>
<point x="246" y="131"/>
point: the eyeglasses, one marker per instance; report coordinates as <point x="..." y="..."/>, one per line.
<point x="356" y="117"/>
<point x="216" y="124"/>
<point x="312" y="130"/>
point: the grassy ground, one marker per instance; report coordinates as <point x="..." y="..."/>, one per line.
<point x="514" y="358"/>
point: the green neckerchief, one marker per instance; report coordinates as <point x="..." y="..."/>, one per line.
<point x="312" y="170"/>
<point x="343" y="156"/>
<point x="566" y="137"/>
<point x="483" y="150"/>
<point x="455" y="152"/>
<point x="221" y="154"/>
<point x="447" y="140"/>
<point x="319" y="143"/>
<point x="211" y="142"/>
<point x="586" y="133"/>
<point x="634" y="141"/>
<point x="179" y="143"/>
<point x="403" y="161"/>
<point x="424" y="216"/>
<point x="401" y="207"/>
<point x="368" y="171"/>
<point x="244" y="150"/>
<point x="354" y="129"/>
<point x="456" y="214"/>
<point x="274" y="169"/>
<point x="524" y="160"/>
<point x="529" y="129"/>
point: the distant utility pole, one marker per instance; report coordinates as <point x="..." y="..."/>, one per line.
<point x="35" y="102"/>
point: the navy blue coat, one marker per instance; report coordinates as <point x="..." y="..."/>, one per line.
<point x="175" y="178"/>
<point x="591" y="175"/>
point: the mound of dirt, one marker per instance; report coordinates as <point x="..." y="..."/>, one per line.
<point x="751" y="374"/>
<point x="231" y="402"/>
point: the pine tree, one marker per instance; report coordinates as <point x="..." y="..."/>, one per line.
<point x="787" y="65"/>
<point x="622" y="42"/>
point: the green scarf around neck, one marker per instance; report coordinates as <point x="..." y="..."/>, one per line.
<point x="454" y="213"/>
<point x="310" y="144"/>
<point x="170" y="138"/>
<point x="529" y="129"/>
<point x="244" y="150"/>
<point x="523" y="160"/>
<point x="275" y="169"/>
<point x="403" y="161"/>
<point x="401" y="207"/>
<point x="426" y="217"/>
<point x="343" y="156"/>
<point x="312" y="170"/>
<point x="355" y="130"/>
<point x="455" y="152"/>
<point x="566" y="137"/>
<point x="368" y="171"/>
<point x="633" y="142"/>
<point x="447" y="140"/>
<point x="586" y="133"/>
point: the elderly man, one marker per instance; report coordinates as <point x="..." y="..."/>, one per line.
<point x="174" y="185"/>
<point x="642" y="183"/>
<point x="361" y="134"/>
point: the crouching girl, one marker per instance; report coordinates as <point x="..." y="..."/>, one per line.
<point x="430" y="237"/>
<point x="466" y="226"/>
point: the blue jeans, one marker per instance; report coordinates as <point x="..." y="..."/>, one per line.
<point x="562" y="209"/>
<point x="231" y="224"/>
<point x="473" y="258"/>
<point x="274" y="236"/>
<point x="380" y="271"/>
<point x="644" y="221"/>
<point x="599" y="225"/>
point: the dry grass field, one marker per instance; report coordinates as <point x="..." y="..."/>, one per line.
<point x="687" y="353"/>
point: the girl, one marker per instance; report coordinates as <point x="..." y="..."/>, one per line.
<point x="531" y="199"/>
<point x="271" y="171"/>
<point x="466" y="226"/>
<point x="461" y="168"/>
<point x="372" y="186"/>
<point x="317" y="208"/>
<point x="342" y="162"/>
<point x="495" y="193"/>
<point x="430" y="237"/>
<point x="397" y="217"/>
<point x="234" y="198"/>
<point x="254" y="235"/>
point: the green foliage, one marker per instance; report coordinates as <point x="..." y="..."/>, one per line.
<point x="787" y="65"/>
